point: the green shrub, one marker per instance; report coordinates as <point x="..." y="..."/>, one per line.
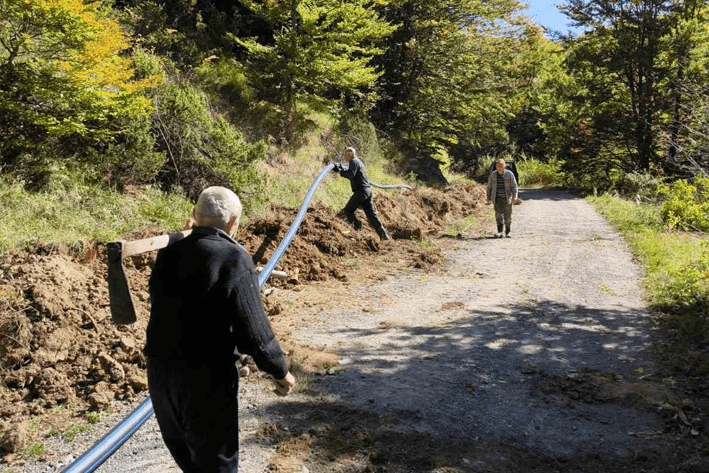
<point x="687" y="204"/>
<point x="227" y="78"/>
<point x="356" y="131"/>
<point x="535" y="173"/>
<point x="147" y="64"/>
<point x="689" y="282"/>
<point x="632" y="184"/>
<point x="33" y="450"/>
<point x="203" y="148"/>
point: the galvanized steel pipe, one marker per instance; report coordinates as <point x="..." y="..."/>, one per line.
<point x="113" y="440"/>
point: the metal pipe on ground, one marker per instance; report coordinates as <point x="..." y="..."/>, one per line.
<point x="390" y="186"/>
<point x="112" y="441"/>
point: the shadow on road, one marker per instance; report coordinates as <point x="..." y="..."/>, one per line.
<point x="539" y="387"/>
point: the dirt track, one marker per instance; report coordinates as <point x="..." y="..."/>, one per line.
<point x="525" y="354"/>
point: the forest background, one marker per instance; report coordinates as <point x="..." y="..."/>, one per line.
<point x="183" y="92"/>
<point x="178" y="93"/>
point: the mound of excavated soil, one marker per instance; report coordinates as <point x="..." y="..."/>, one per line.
<point x="59" y="348"/>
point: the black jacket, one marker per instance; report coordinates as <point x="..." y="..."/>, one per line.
<point x="357" y="175"/>
<point x="206" y="304"/>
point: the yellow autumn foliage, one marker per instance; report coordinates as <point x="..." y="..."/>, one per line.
<point x="76" y="44"/>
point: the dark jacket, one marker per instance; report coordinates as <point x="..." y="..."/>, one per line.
<point x="357" y="175"/>
<point x="206" y="304"/>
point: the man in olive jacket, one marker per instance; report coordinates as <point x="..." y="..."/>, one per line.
<point x="206" y="310"/>
<point x="503" y="190"/>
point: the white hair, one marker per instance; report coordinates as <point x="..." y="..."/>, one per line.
<point x="351" y="150"/>
<point x="216" y="207"/>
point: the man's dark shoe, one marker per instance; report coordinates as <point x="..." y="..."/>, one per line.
<point x="383" y="234"/>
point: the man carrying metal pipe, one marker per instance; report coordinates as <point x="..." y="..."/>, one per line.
<point x="361" y="193"/>
<point x="206" y="309"/>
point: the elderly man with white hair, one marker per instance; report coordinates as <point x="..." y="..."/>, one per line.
<point x="206" y="310"/>
<point x="361" y="193"/>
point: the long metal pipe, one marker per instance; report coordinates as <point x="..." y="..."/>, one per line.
<point x="390" y="186"/>
<point x="112" y="441"/>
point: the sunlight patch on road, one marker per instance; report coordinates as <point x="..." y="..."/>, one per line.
<point x="499" y="343"/>
<point x="530" y="349"/>
<point x="588" y="328"/>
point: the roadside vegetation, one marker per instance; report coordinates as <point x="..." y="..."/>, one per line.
<point x="667" y="233"/>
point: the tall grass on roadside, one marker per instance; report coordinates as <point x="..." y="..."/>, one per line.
<point x="676" y="264"/>
<point x="325" y="144"/>
<point x="68" y="217"/>
<point x="533" y="173"/>
<point x="537" y="174"/>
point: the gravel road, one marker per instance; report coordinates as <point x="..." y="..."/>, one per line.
<point x="557" y="302"/>
<point x="502" y="347"/>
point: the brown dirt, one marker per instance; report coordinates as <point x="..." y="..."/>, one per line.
<point x="61" y="356"/>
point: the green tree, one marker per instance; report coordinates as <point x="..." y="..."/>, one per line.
<point x="688" y="56"/>
<point x="63" y="77"/>
<point x="449" y="72"/>
<point x="546" y="114"/>
<point x="185" y="32"/>
<point x="320" y="52"/>
<point x="619" y="60"/>
<point x="202" y="147"/>
<point x="641" y="69"/>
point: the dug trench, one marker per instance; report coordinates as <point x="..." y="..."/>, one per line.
<point x="62" y="358"/>
<point x="437" y="352"/>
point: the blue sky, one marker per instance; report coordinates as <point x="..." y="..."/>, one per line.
<point x="546" y="14"/>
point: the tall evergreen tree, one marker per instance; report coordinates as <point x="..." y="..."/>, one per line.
<point x="619" y="61"/>
<point x="321" y="51"/>
<point x="448" y="73"/>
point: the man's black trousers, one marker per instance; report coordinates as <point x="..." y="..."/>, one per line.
<point x="196" y="407"/>
<point x="363" y="199"/>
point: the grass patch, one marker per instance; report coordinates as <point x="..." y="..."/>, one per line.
<point x="33" y="450"/>
<point x="69" y="433"/>
<point x="427" y="244"/>
<point x="665" y="255"/>
<point x="93" y="417"/>
<point x="461" y="226"/>
<point x="533" y="173"/>
<point x="67" y="218"/>
<point x="302" y="377"/>
<point x="324" y="144"/>
<point x="536" y="174"/>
